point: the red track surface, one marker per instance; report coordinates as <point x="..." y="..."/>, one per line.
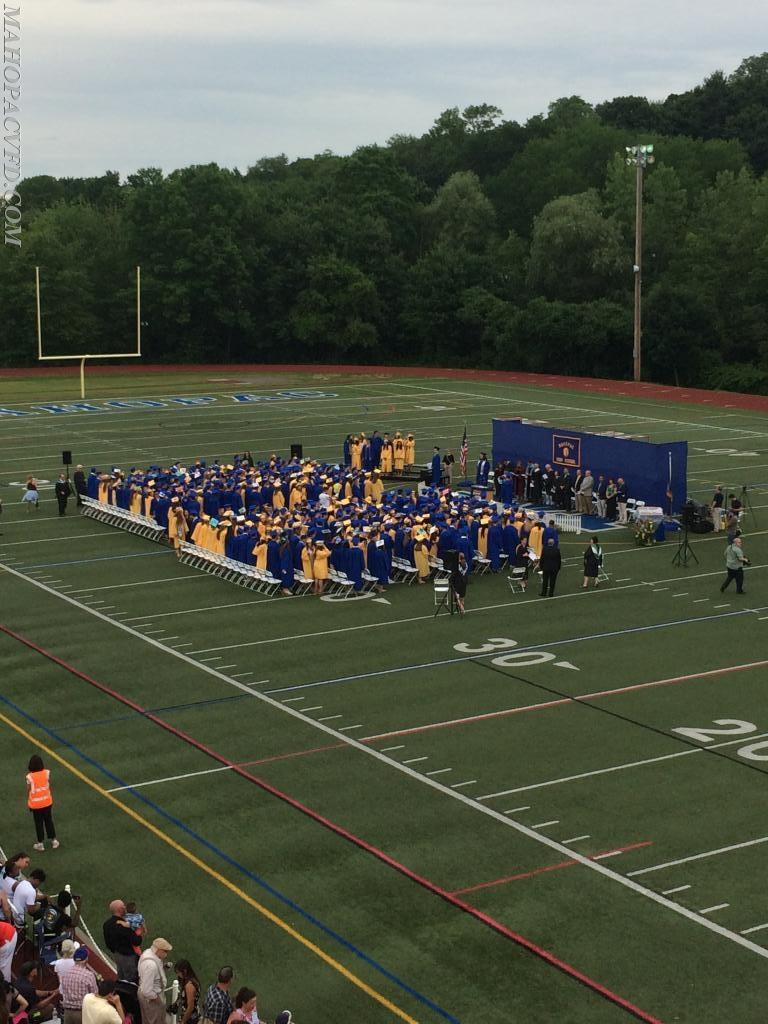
<point x="624" y="388"/>
<point x="355" y="840"/>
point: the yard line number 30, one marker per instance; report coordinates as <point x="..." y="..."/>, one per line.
<point x="500" y="643"/>
<point x="730" y="727"/>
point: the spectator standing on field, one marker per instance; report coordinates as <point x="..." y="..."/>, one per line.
<point x="63" y="489"/>
<point x="593" y="562"/>
<point x="550" y="563"/>
<point x="188" y="1006"/>
<point x="622" y="494"/>
<point x="75" y="985"/>
<point x="735" y="560"/>
<point x="218" y="1005"/>
<point x="81" y="487"/>
<point x="718" y="501"/>
<point x="152" y="981"/>
<point x="40" y="802"/>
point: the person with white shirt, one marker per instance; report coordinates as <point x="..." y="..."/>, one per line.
<point x="65" y="962"/>
<point x="27" y="898"/>
<point x="152" y="981"/>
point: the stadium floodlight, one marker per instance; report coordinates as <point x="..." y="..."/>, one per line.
<point x="641" y="156"/>
<point x="93" y="355"/>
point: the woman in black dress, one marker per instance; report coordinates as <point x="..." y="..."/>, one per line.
<point x="593" y="562"/>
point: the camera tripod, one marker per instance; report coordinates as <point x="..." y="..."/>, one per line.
<point x="447" y="601"/>
<point x="746" y="503"/>
<point x="684" y="551"/>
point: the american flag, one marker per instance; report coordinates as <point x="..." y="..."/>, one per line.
<point x="463" y="453"/>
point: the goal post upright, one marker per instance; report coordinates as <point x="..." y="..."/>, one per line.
<point x="82" y="357"/>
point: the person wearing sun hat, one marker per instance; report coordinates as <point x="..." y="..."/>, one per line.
<point x="152" y="981"/>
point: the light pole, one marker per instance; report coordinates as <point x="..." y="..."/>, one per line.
<point x="641" y="157"/>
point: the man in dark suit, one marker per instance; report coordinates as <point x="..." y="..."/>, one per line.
<point x="63" y="491"/>
<point x="81" y="487"/>
<point x="550" y="563"/>
<point x="483" y="470"/>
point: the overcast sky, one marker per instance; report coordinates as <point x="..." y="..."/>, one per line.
<point x="122" y="84"/>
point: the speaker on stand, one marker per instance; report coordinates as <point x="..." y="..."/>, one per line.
<point x="66" y="460"/>
<point x="297" y="451"/>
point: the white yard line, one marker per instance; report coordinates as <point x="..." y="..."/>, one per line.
<point x="385" y="750"/>
<point x="171" y="778"/>
<point x="575" y="839"/>
<point x="142" y="583"/>
<point x="678" y="888"/>
<point x="439" y="771"/>
<point x="754" y="928"/>
<point x="711" y="910"/>
<point x="459" y="785"/>
<point x="348" y="728"/>
<point x="415" y="760"/>
<point x="544" y="824"/>
<point x="434" y="784"/>
<point x="329" y="718"/>
<point x="698" y="856"/>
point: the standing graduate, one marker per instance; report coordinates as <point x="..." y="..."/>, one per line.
<point x="436" y="468"/>
<point x="483" y="470"/>
<point x="355" y="564"/>
<point x="410" y="451"/>
<point x="398" y="448"/>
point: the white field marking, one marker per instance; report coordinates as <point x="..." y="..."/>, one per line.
<point x="698" y="856"/>
<point x="143" y="583"/>
<point x="762" y="618"/>
<point x="107" y="607"/>
<point x="701" y="600"/>
<point x="258" y="682"/>
<point x="241" y="675"/>
<point x="469" y="782"/>
<point x="711" y="910"/>
<point x="414" y="775"/>
<point x="575" y="839"/>
<point x="543" y="824"/>
<point x="569" y="408"/>
<point x="754" y="928"/>
<point x="414" y="618"/>
<point x="55" y="540"/>
<point x="684" y="594"/>
<point x="415" y="760"/>
<point x="624" y="579"/>
<point x="171" y="778"/>
<point x="315" y="707"/>
<point x="216" y="607"/>
<point x="222" y="667"/>
<point x="385" y="750"/>
<point x="164" y="639"/>
<point x="678" y="888"/>
<point x="522" y="650"/>
<point x="514" y="810"/>
<point x="614" y="768"/>
<point x="155" y="632"/>
<point x="611" y="853"/>
<point x="176" y="647"/>
<point x="347" y="728"/>
<point x="660" y="589"/>
<point x="138" y="624"/>
<point x="329" y="718"/>
<point x="721" y="606"/>
<point x="291" y="700"/>
<point x="204" y="660"/>
<point x="440" y="771"/>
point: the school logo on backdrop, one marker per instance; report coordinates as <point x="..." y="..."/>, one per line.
<point x="566" y="451"/>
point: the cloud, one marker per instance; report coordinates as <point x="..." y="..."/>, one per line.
<point x="110" y="84"/>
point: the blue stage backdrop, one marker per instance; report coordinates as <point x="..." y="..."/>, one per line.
<point x="644" y="466"/>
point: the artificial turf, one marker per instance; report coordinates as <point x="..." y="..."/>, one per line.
<point x="393" y="685"/>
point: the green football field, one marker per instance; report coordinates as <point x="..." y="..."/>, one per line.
<point x="547" y="811"/>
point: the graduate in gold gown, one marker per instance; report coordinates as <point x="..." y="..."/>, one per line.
<point x="355" y="453"/>
<point x="387" y="458"/>
<point x="410" y="450"/>
<point x="321" y="554"/>
<point x="399" y="452"/>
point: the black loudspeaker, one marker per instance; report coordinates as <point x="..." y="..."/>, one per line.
<point x="66" y="458"/>
<point x="297" y="451"/>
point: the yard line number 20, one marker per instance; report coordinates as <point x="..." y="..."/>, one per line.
<point x="730" y="727"/>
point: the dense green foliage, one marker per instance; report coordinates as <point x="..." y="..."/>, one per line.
<point x="483" y="242"/>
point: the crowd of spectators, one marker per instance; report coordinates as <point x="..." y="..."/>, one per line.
<point x="47" y="974"/>
<point x="578" y="490"/>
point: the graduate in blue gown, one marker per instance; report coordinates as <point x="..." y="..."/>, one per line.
<point x="495" y="543"/>
<point x="378" y="564"/>
<point x="287" y="578"/>
<point x="437" y="469"/>
<point x="355" y="564"/>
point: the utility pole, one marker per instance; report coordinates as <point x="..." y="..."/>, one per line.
<point x="641" y="157"/>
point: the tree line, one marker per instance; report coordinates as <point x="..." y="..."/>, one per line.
<point x="481" y="243"/>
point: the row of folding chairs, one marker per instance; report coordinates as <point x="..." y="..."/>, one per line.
<point x="229" y="569"/>
<point x="403" y="571"/>
<point x="143" y="526"/>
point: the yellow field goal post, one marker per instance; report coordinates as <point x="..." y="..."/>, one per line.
<point x="82" y="357"/>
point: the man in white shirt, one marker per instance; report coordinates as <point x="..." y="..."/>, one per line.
<point x="104" y="1008"/>
<point x="27" y="898"/>
<point x="152" y="981"/>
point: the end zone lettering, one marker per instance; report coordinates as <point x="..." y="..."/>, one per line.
<point x="186" y="401"/>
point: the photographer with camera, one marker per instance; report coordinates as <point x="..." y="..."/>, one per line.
<point x="735" y="560"/>
<point x="459" y="581"/>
